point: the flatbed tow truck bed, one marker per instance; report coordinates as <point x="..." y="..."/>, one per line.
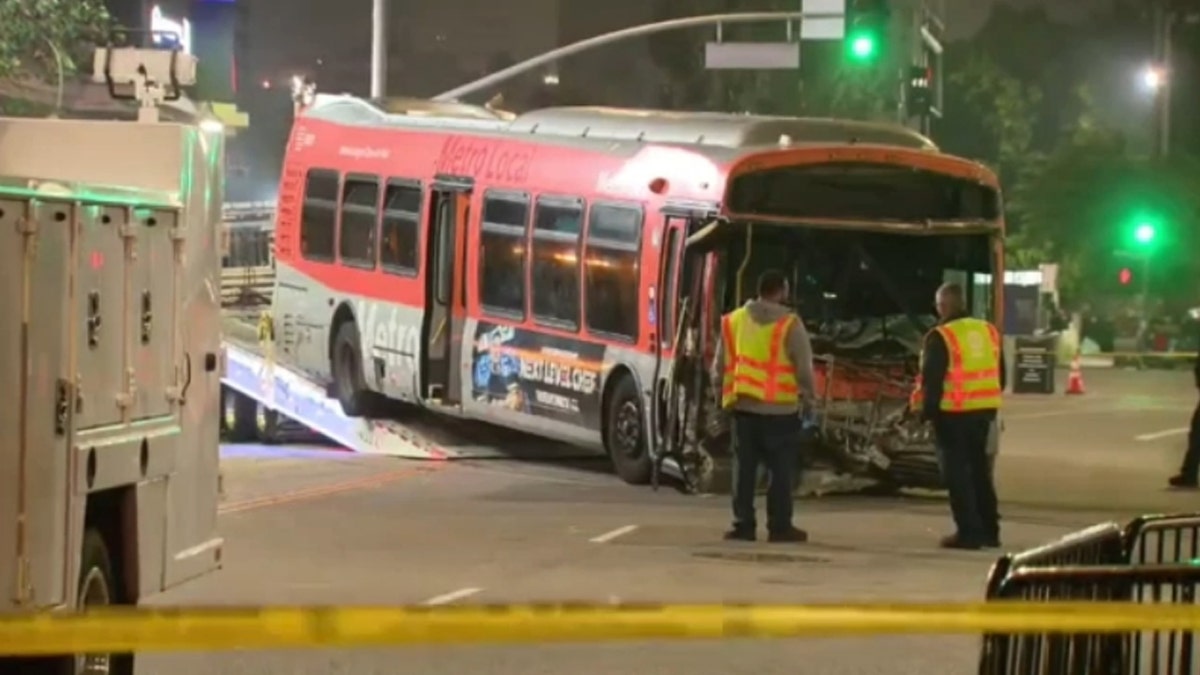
<point x="414" y="434"/>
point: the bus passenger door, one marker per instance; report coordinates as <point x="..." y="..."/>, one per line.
<point x="445" y="296"/>
<point x="669" y="305"/>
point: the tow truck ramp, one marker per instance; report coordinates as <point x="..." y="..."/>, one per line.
<point x="285" y="403"/>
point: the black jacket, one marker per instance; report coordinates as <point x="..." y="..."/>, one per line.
<point x="936" y="361"/>
<point x="1196" y="365"/>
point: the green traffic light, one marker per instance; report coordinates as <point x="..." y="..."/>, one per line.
<point x="863" y="46"/>
<point x="1144" y="234"/>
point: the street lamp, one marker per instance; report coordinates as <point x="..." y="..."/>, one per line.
<point x="1153" y="77"/>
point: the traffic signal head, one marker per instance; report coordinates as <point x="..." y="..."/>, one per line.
<point x="1144" y="233"/>
<point x="918" y="91"/>
<point x="866" y="29"/>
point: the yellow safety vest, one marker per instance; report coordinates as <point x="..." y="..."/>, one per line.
<point x="973" y="372"/>
<point x="757" y="366"/>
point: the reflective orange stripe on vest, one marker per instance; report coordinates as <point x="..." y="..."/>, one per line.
<point x="752" y="371"/>
<point x="970" y="386"/>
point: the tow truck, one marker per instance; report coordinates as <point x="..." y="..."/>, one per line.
<point x="109" y="462"/>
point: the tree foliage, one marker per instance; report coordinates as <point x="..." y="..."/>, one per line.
<point x="1074" y="184"/>
<point x="36" y="35"/>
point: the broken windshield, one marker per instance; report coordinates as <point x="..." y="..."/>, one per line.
<point x="864" y="289"/>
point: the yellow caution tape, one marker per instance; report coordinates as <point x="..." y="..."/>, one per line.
<point x="1142" y="355"/>
<point x="157" y="630"/>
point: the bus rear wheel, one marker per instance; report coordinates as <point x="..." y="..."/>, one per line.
<point x="349" y="383"/>
<point x="625" y="433"/>
<point x="238" y="416"/>
<point x="97" y="589"/>
<point x="267" y="425"/>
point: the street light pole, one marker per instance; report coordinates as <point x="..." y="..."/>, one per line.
<point x="1164" y="22"/>
<point x="379" y="48"/>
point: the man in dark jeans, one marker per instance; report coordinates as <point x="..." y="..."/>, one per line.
<point x="959" y="391"/>
<point x="1189" y="473"/>
<point x="764" y="375"/>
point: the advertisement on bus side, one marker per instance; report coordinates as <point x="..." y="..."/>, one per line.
<point x="537" y="374"/>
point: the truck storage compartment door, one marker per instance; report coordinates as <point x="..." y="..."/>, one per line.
<point x="34" y="362"/>
<point x="151" y="318"/>
<point x="99" y="310"/>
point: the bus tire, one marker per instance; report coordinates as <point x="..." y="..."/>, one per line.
<point x="240" y="413"/>
<point x="346" y="366"/>
<point x="625" y="433"/>
<point x="266" y="424"/>
<point x="98" y="588"/>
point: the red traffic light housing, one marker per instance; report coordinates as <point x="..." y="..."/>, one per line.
<point x="1125" y="276"/>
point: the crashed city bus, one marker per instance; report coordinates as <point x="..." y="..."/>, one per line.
<point x="562" y="272"/>
<point x="866" y="233"/>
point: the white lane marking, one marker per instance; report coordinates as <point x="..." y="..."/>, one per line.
<point x="613" y="534"/>
<point x="1083" y="412"/>
<point x="1161" y="434"/>
<point x="452" y="596"/>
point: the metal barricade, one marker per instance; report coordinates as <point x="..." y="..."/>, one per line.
<point x="1163" y="539"/>
<point x="1102" y="544"/>
<point x="1142" y="653"/>
<point x="1141" y="562"/>
<point x="1097" y="545"/>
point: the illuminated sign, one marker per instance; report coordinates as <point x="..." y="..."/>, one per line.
<point x="168" y="32"/>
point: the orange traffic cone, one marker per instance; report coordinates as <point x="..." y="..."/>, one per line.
<point x="1075" y="378"/>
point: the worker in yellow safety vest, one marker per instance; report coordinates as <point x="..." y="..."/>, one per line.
<point x="959" y="391"/>
<point x="764" y="374"/>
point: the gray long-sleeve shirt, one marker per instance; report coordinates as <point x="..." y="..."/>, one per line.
<point x="799" y="351"/>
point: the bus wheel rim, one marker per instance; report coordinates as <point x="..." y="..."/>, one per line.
<point x="94" y="592"/>
<point x="628" y="430"/>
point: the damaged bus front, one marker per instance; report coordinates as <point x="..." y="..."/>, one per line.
<point x="866" y="235"/>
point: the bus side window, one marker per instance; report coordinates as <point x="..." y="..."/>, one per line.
<point x="318" y="218"/>
<point x="400" y="229"/>
<point x="612" y="273"/>
<point x="502" y="244"/>
<point x="554" y="268"/>
<point x="360" y="212"/>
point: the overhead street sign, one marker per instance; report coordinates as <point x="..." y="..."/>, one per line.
<point x="829" y="24"/>
<point x="825" y="28"/>
<point x="752" y="55"/>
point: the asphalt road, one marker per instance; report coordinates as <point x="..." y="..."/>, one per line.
<point x="333" y="528"/>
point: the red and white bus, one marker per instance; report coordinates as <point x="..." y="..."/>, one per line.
<point x="549" y="272"/>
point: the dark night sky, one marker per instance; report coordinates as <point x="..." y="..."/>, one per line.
<point x="964" y="17"/>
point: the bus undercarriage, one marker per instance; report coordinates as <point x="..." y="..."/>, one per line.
<point x="865" y="297"/>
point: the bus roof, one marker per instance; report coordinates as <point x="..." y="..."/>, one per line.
<point x="723" y="130"/>
<point x="631" y="128"/>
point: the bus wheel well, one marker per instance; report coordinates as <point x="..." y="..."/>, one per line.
<point x="342" y="315"/>
<point x="113" y="514"/>
<point x="610" y="385"/>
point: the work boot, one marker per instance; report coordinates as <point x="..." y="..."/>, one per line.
<point x="740" y="534"/>
<point x="955" y="541"/>
<point x="1182" y="481"/>
<point x="792" y="535"/>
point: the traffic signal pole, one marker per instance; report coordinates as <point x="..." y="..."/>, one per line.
<point x="572" y="49"/>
